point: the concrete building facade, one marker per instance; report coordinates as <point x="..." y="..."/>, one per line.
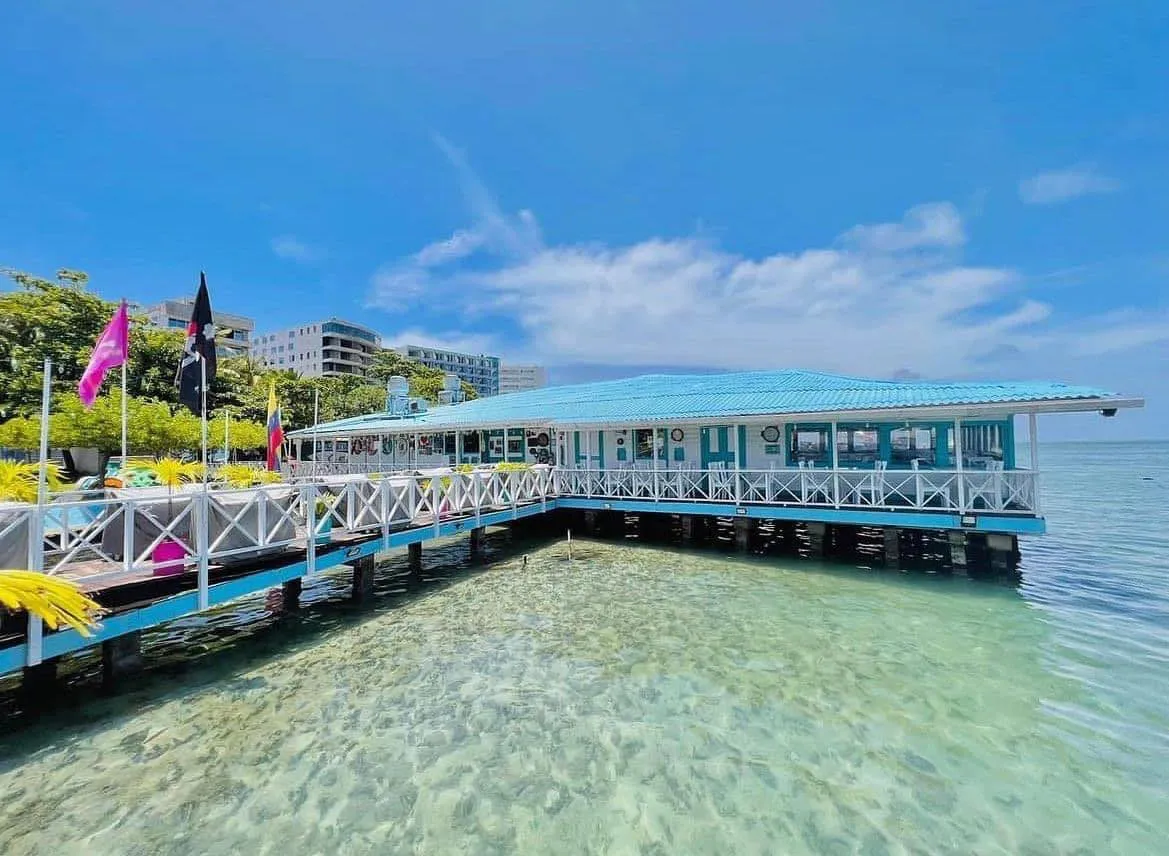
<point x="517" y="377"/>
<point x="235" y="335"/>
<point x="329" y="348"/>
<point x="479" y="370"/>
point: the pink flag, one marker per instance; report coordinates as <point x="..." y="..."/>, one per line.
<point x="111" y="350"/>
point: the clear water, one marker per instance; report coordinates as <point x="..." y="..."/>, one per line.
<point x="647" y="700"/>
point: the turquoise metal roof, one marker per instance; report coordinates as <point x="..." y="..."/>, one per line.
<point x="691" y="397"/>
<point x="653" y="398"/>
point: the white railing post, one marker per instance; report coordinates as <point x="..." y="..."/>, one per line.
<point x="202" y="540"/>
<point x="958" y="466"/>
<point x="1033" y="432"/>
<point x="477" y="495"/>
<point x="384" y="487"/>
<point x="309" y="491"/>
<point x="435" y="493"/>
<point x="262" y="517"/>
<point x="128" y="552"/>
<point x="835" y="467"/>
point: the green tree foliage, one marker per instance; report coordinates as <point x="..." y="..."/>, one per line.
<point x="425" y="382"/>
<point x="60" y="319"/>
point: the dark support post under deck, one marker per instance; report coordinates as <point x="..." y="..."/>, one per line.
<point x="818" y="538"/>
<point x="957" y="552"/>
<point x="290" y="591"/>
<point x="892" y="546"/>
<point x="1004" y="553"/>
<point x="120" y="656"/>
<point x="687" y="524"/>
<point x="414" y="558"/>
<point x="590" y="523"/>
<point x="38" y="685"/>
<point x="363" y="572"/>
<point x="743" y="534"/>
<point x="477" y="535"/>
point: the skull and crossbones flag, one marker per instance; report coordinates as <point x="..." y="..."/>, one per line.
<point x="200" y="345"/>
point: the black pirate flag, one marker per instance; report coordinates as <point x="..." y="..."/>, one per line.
<point x="200" y="348"/>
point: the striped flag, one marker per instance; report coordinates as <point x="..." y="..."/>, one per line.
<point x="275" y="429"/>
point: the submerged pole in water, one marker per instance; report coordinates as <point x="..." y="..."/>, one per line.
<point x="570" y="545"/>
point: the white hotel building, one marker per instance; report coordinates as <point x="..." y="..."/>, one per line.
<point x="329" y="348"/>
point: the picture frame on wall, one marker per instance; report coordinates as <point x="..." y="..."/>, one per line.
<point x="677" y="435"/>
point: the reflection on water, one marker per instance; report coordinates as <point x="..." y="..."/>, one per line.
<point x="642" y="700"/>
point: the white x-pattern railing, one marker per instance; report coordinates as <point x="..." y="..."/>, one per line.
<point x="1009" y="492"/>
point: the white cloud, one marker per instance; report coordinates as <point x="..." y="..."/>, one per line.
<point x="1061" y="185"/>
<point x="288" y="247"/>
<point x="879" y="300"/>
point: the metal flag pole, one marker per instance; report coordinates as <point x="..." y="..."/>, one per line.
<point x="203" y="395"/>
<point x="125" y="445"/>
<point x="226" y="433"/>
<point x="43" y="466"/>
<point x="316" y="421"/>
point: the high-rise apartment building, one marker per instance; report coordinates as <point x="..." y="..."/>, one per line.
<point x="479" y="370"/>
<point x="516" y="377"/>
<point x="329" y="348"/>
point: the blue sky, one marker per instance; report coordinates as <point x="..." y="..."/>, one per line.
<point x="608" y="188"/>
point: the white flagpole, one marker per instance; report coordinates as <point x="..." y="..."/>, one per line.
<point x="125" y="446"/>
<point x="226" y="433"/>
<point x="43" y="466"/>
<point x="316" y="420"/>
<point x="203" y="393"/>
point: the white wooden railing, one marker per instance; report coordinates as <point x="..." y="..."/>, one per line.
<point x="1007" y="492"/>
<point x="122" y="534"/>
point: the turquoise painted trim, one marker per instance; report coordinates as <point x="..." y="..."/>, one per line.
<point x="709" y="454"/>
<point x="885" y="443"/>
<point x="742" y="447"/>
<point x="1009" y="462"/>
<point x="576" y="450"/>
<point x="902" y="519"/>
<point x="13" y="658"/>
<point x="942" y="432"/>
<point x="600" y="450"/>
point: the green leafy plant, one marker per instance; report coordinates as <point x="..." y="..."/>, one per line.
<point x="512" y="467"/>
<point x="238" y="475"/>
<point x="18" y="481"/>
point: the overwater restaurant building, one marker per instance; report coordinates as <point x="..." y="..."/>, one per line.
<point x="789" y="444"/>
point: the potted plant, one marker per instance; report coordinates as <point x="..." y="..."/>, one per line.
<point x="168" y="555"/>
<point x="18" y="484"/>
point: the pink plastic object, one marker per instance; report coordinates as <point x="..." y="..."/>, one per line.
<point x="168" y="558"/>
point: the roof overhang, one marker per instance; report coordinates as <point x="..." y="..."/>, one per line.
<point x="995" y="410"/>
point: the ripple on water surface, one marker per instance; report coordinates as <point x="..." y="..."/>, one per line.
<point x="635" y="700"/>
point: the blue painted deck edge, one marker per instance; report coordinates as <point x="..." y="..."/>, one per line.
<point x="1005" y="524"/>
<point x="12" y="659"/>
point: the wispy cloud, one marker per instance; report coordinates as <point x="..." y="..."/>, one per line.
<point x="1062" y="185"/>
<point x="879" y="299"/>
<point x="292" y="249"/>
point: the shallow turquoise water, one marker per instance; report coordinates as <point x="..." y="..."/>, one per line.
<point x="648" y="700"/>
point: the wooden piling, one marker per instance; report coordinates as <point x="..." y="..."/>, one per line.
<point x="290" y="592"/>
<point x="414" y="558"/>
<point x="363" y="573"/>
<point x="120" y="657"/>
<point x="686" y="522"/>
<point x="38" y="686"/>
<point x="743" y="534"/>
<point x="817" y="539"/>
<point x="957" y="552"/>
<point x="476" y="542"/>
<point x="892" y="546"/>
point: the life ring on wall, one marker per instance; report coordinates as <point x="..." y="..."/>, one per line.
<point x="677" y="435"/>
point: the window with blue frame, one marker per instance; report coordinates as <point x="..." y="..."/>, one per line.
<point x="913" y="444"/>
<point x="857" y="447"/>
<point x="810" y="444"/>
